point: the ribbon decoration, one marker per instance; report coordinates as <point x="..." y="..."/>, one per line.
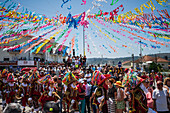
<point x="112" y="48"/>
<point x="44" y="43"/>
<point x="55" y="48"/>
<point x="69" y="8"/>
<point x="102" y="1"/>
<point x="102" y="32"/>
<point x="68" y="32"/>
<point x="152" y="46"/>
<point x="106" y="48"/>
<point x="64" y="51"/>
<point x="33" y="40"/>
<point x="95" y="49"/>
<point x="111" y="29"/>
<point x="138" y="36"/>
<point x="33" y="50"/>
<point x="58" y="39"/>
<point x="5" y="2"/>
<point x="88" y="48"/>
<point x="72" y="44"/>
<point x="161" y="1"/>
<point x="107" y="42"/>
<point x="64" y="2"/>
<point x="150" y="33"/>
<point x="21" y="51"/>
<point x="72" y="21"/>
<point x="114" y="2"/>
<point x="34" y="45"/>
<point x="76" y="43"/>
<point x="84" y="2"/>
<point x="47" y="40"/>
<point x="143" y="37"/>
<point x="46" y="48"/>
<point x="144" y="44"/>
<point x="41" y="39"/>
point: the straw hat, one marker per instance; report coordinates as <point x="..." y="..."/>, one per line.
<point x="118" y="83"/>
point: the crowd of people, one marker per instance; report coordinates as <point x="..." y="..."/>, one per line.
<point x="81" y="89"/>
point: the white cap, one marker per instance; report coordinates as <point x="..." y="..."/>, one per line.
<point x="29" y="99"/>
<point x="81" y="81"/>
<point x="87" y="75"/>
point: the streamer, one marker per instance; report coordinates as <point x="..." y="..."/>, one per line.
<point x="114" y="2"/>
<point x="72" y="44"/>
<point x="84" y="2"/>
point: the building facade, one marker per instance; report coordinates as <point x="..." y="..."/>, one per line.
<point x="10" y="58"/>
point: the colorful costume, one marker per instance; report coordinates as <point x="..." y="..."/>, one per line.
<point x="4" y="83"/>
<point x="49" y="94"/>
<point x="24" y="90"/>
<point x="71" y="94"/>
<point x="138" y="103"/>
<point x="10" y="89"/>
<point x="100" y="98"/>
<point x="36" y="90"/>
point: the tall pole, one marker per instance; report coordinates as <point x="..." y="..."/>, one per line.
<point x="29" y="54"/>
<point x="70" y="47"/>
<point x="133" y="60"/>
<point x="141" y="53"/>
<point x="84" y="41"/>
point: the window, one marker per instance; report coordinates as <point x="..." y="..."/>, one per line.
<point x="6" y="59"/>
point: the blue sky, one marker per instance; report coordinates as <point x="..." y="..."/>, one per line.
<point x="51" y="7"/>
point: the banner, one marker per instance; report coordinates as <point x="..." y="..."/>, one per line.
<point x="25" y="63"/>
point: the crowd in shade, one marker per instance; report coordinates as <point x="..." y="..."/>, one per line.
<point x="75" y="87"/>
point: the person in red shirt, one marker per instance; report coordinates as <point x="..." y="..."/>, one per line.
<point x="159" y="77"/>
<point x="81" y="89"/>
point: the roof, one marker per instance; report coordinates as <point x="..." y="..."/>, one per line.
<point x="149" y="58"/>
<point x="125" y="62"/>
<point x="161" y="60"/>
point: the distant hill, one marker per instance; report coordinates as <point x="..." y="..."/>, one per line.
<point x="114" y="61"/>
<point x="110" y="61"/>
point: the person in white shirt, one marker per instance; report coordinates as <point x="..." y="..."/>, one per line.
<point x="88" y="77"/>
<point x="87" y="96"/>
<point x="99" y="67"/>
<point x="160" y="96"/>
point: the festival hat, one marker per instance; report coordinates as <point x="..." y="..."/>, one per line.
<point x="25" y="77"/>
<point x="131" y="79"/>
<point x="4" y="73"/>
<point x="45" y="79"/>
<point x="98" y="78"/>
<point x="145" y="78"/>
<point x="69" y="78"/>
<point x="34" y="76"/>
<point x="118" y="83"/>
<point x="51" y="81"/>
<point x="10" y="78"/>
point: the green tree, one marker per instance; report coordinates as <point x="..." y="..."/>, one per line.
<point x="155" y="67"/>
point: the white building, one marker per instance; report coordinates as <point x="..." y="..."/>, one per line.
<point x="13" y="57"/>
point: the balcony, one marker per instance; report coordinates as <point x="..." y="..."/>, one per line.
<point x="8" y="63"/>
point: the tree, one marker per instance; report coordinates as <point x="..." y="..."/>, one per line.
<point x="155" y="67"/>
